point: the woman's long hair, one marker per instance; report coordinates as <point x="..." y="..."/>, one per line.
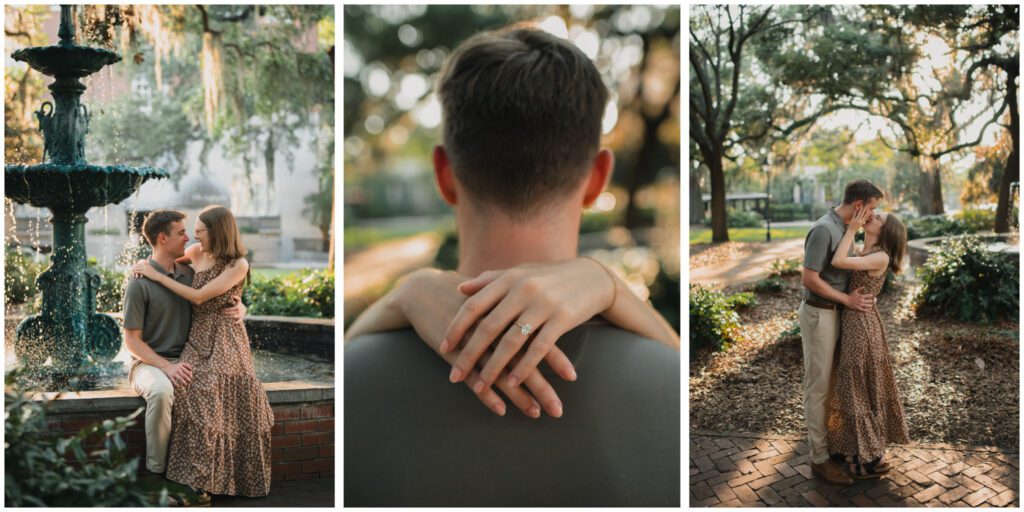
<point x="225" y="241"/>
<point x="893" y="240"/>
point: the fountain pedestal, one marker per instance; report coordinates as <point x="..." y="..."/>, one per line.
<point x="68" y="340"/>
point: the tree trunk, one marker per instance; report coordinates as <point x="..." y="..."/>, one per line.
<point x="930" y="186"/>
<point x="696" y="201"/>
<point x="1012" y="171"/>
<point x="719" y="222"/>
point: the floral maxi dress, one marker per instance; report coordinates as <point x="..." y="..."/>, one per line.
<point x="865" y="410"/>
<point x="221" y="421"/>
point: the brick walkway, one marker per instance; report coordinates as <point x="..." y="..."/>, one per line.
<point x="755" y="470"/>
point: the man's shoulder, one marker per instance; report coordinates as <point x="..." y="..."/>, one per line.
<point x="595" y="340"/>
<point x="136" y="287"/>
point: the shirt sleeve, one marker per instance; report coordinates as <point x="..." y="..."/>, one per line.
<point x="134" y="305"/>
<point x="816" y="248"/>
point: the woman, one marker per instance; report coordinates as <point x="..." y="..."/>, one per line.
<point x="866" y="412"/>
<point x="220" y="436"/>
<point x="538" y="300"/>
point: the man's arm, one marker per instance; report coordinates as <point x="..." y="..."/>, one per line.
<point x="141" y="350"/>
<point x="855" y="300"/>
<point x="816" y="258"/>
<point x="178" y="373"/>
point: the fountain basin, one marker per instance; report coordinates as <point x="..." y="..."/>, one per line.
<point x="66" y="61"/>
<point x="284" y="349"/>
<point x="78" y="187"/>
<point x="1005" y="243"/>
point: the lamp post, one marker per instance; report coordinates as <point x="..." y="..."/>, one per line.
<point x="768" y="197"/>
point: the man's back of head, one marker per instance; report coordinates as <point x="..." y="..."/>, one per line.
<point x="522" y="113"/>
<point x="414" y="439"/>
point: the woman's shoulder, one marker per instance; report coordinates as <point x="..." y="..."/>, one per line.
<point x="240" y="263"/>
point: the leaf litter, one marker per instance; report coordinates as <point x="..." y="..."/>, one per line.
<point x="959" y="382"/>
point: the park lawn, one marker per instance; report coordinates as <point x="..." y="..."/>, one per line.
<point x="271" y="273"/>
<point x="702" y="235"/>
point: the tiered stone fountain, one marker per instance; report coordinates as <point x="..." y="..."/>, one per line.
<point x="68" y="341"/>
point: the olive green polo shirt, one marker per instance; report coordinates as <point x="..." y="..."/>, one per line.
<point x="164" y="316"/>
<point x="819" y="247"/>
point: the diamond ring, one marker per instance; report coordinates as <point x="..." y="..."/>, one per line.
<point x="526" y="329"/>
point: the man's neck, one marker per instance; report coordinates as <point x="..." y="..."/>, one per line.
<point x="164" y="259"/>
<point x="495" y="242"/>
<point x="845" y="212"/>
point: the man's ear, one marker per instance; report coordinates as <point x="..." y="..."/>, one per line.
<point x="443" y="176"/>
<point x="600" y="173"/>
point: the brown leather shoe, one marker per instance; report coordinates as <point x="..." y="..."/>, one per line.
<point x="831" y="472"/>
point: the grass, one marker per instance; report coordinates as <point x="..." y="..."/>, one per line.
<point x="702" y="235"/>
<point x="271" y="273"/>
<point x="360" y="237"/>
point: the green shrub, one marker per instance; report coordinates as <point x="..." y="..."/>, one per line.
<point x="786" y="212"/>
<point x="714" y="324"/>
<point x="744" y="219"/>
<point x="741" y="219"/>
<point x="306" y="292"/>
<point x="786" y="267"/>
<point x="934" y="225"/>
<point x="771" y="284"/>
<point x="38" y="474"/>
<point x="20" y="276"/>
<point x="966" y="282"/>
<point x="741" y="300"/>
<point x="976" y="220"/>
<point x="110" y="294"/>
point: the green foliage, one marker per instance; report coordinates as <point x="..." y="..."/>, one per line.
<point x="39" y="475"/>
<point x="447" y="257"/>
<point x="305" y="293"/>
<point x="976" y="220"/>
<point x="771" y="284"/>
<point x="744" y="219"/>
<point x="110" y="294"/>
<point x="785" y="267"/>
<point x="20" y="276"/>
<point x="934" y="225"/>
<point x="714" y="324"/>
<point x="793" y="331"/>
<point x="968" y="283"/>
<point x="787" y="212"/>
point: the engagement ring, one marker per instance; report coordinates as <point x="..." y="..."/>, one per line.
<point x="526" y="329"/>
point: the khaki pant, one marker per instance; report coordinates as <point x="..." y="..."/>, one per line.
<point x="152" y="384"/>
<point x="819" y="331"/>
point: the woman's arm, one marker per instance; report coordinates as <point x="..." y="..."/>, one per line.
<point x="872" y="262"/>
<point x="220" y="284"/>
<point x="427" y="300"/>
<point x="547" y="299"/>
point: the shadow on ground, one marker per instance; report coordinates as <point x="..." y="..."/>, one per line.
<point x="948" y="395"/>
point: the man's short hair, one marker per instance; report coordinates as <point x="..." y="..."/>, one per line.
<point x="159" y="221"/>
<point x="861" y="190"/>
<point x="522" y="112"/>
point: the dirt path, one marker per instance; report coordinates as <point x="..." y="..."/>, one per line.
<point x="748" y="268"/>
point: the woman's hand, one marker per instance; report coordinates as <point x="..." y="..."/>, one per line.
<point x="538" y="301"/>
<point x="860" y="217"/>
<point x="144" y="269"/>
<point x="428" y="299"/>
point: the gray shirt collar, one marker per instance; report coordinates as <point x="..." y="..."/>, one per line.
<point x="178" y="270"/>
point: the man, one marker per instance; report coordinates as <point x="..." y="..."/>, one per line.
<point x="156" y="326"/>
<point x="522" y="114"/>
<point x="824" y="295"/>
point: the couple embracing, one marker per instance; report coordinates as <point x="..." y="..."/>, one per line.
<point x="208" y="419"/>
<point x="851" y="403"/>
